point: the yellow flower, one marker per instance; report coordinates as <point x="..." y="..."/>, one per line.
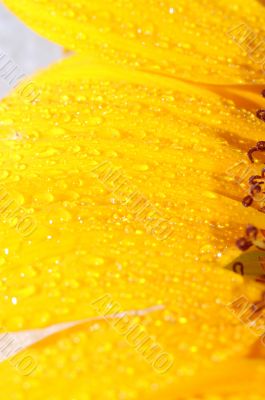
<point x="123" y="167"/>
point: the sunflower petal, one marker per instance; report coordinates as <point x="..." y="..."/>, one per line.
<point x="196" y="41"/>
<point x="92" y="236"/>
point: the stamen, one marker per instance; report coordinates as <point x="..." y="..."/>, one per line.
<point x="253" y="178"/>
<point x="247" y="201"/>
<point x="261" y="143"/>
<point x="243" y="244"/>
<point x="255" y="189"/>
<point x="250" y="152"/>
<point x="261" y="114"/>
<point x="260" y="146"/>
<point x="252" y="231"/>
<point x="241" y="267"/>
<point x="251" y="239"/>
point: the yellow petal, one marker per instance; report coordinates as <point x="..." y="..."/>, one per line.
<point x="221" y="42"/>
<point x="170" y="142"/>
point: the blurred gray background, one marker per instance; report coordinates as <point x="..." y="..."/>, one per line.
<point x="27" y="49"/>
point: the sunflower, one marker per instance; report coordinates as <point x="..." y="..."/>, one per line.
<point x="120" y="211"/>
